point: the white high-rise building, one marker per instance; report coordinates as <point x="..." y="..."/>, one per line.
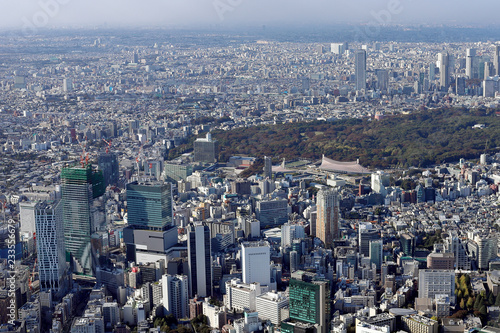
<point x="360" y="69"/>
<point x="338" y="48"/>
<point x="289" y="232"/>
<point x="432" y="282"/>
<point x="241" y="296"/>
<point x="470" y="64"/>
<point x="67" y="85"/>
<point x="487" y="250"/>
<point x="52" y="266"/>
<point x="27" y="217"/>
<point x="269" y="306"/>
<point x="255" y="257"/>
<point x="175" y="295"/>
<point x="379" y="181"/>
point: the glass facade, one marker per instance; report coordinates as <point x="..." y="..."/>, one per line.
<point x="304" y="301"/>
<point x="149" y="205"/>
<point x="79" y="187"/>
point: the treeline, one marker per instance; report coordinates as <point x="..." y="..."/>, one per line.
<point x="419" y="139"/>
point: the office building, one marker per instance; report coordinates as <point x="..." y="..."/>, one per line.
<point x="309" y="300"/>
<point x="111" y="314"/>
<point x="444" y="70"/>
<point x="441" y="261"/>
<point x="376" y="252"/>
<point x="382" y="79"/>
<point x="327" y="219"/>
<point x="366" y="234"/>
<point x="199" y="260"/>
<point x="360" y="69"/>
<point x="268" y="167"/>
<point x="52" y="268"/>
<point x="175" y="295"/>
<point x="272" y="212"/>
<point x="407" y="244"/>
<point x="419" y="324"/>
<point x="471" y="69"/>
<point x="205" y="149"/>
<point x="460" y="86"/>
<point x="67" y="85"/>
<point x="491" y="86"/>
<point x="242" y="296"/>
<point x="150" y="232"/>
<point x="436" y="282"/>
<point x="489" y="70"/>
<point x="496" y="59"/>
<point x="255" y="262"/>
<point x="174" y="172"/>
<point x="432" y="72"/>
<point x="338" y="48"/>
<point x="149" y="205"/>
<point x="290" y="232"/>
<point x="108" y="163"/>
<point x="80" y="186"/>
<point x="487" y="250"/>
<point x="269" y="306"/>
<point x="453" y="244"/>
<point x="379" y="182"/>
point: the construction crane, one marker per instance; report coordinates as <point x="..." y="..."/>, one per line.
<point x="84" y="159"/>
<point x="32" y="275"/>
<point x="109" y="145"/>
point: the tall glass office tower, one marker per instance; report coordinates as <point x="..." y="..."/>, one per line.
<point x="52" y="266"/>
<point x="149" y="205"/>
<point x="80" y="186"/>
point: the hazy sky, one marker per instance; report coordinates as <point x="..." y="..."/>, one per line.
<point x="184" y="13"/>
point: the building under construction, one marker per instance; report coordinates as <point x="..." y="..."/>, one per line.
<point x="80" y="186"/>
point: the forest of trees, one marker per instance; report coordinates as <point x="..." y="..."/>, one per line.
<point x="419" y="139"/>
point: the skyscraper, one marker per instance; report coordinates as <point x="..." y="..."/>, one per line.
<point x="489" y="70"/>
<point x="496" y="60"/>
<point x="149" y="205"/>
<point x="108" y="163"/>
<point x="432" y="72"/>
<point x="255" y="262"/>
<point x="382" y="79"/>
<point x="268" y="168"/>
<point x="79" y="187"/>
<point x="175" y="295"/>
<point x="309" y="301"/>
<point x="52" y="268"/>
<point x="327" y="221"/>
<point x="444" y="70"/>
<point x="460" y="86"/>
<point x="199" y="260"/>
<point x="150" y="230"/>
<point x="470" y="63"/>
<point x="205" y="149"/>
<point x="360" y="69"/>
<point x="376" y="251"/>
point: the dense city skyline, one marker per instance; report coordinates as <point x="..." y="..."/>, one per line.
<point x="249" y="166"/>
